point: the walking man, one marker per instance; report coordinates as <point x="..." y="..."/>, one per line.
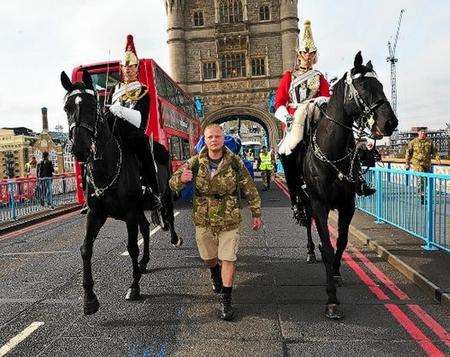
<point x="266" y="167"/>
<point x="45" y="172"/>
<point x="219" y="177"/>
<point x="419" y="153"/>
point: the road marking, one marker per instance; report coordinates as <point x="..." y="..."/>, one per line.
<point x="36" y="253"/>
<point x="414" y="331"/>
<point x="417" y="334"/>
<point x="154" y="230"/>
<point x="13" y="342"/>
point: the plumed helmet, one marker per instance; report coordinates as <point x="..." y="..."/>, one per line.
<point x="306" y="43"/>
<point x="130" y="58"/>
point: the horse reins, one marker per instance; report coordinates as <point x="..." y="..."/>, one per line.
<point x="365" y="120"/>
<point x="98" y="191"/>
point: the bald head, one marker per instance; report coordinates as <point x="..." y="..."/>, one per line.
<point x="214" y="138"/>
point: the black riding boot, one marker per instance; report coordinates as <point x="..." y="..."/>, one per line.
<point x="227" y="312"/>
<point x="362" y="188"/>
<point x="151" y="192"/>
<point x="216" y="277"/>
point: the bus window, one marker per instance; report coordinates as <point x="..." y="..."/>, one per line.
<point x="186" y="150"/>
<point x="99" y="80"/>
<point x="176" y="153"/>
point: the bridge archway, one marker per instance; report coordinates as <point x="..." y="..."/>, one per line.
<point x="266" y="120"/>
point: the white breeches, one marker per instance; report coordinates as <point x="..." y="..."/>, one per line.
<point x="295" y="133"/>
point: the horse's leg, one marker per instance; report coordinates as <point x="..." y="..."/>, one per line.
<point x="345" y="217"/>
<point x="311" y="257"/>
<point x="144" y="227"/>
<point x="321" y="217"/>
<point x="169" y="217"/>
<point x="133" y="292"/>
<point x="93" y="225"/>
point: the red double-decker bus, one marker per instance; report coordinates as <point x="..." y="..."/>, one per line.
<point x="172" y="119"/>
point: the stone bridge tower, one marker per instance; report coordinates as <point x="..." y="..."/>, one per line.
<point x="232" y="53"/>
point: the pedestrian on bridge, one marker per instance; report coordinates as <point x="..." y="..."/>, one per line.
<point x="266" y="165"/>
<point x="45" y="172"/>
<point x="419" y="153"/>
<point x="219" y="177"/>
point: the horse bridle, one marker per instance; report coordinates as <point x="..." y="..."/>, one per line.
<point x="78" y="123"/>
<point x="98" y="191"/>
<point x="364" y="121"/>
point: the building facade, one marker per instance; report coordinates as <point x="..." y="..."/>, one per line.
<point x="15" y="149"/>
<point x="232" y="53"/>
<point x="45" y="142"/>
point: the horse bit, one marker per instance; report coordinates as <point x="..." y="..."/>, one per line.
<point x="98" y="191"/>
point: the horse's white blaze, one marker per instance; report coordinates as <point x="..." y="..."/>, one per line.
<point x="78" y="100"/>
<point x="13" y="342"/>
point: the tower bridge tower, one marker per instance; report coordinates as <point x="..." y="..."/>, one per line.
<point x="232" y="53"/>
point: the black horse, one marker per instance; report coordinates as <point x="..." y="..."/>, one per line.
<point x="114" y="186"/>
<point x="330" y="165"/>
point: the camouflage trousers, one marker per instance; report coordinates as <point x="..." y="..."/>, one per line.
<point x="421" y="182"/>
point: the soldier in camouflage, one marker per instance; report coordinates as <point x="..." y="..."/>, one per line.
<point x="219" y="177"/>
<point x="419" y="153"/>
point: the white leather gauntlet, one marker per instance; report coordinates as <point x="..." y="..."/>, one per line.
<point x="283" y="115"/>
<point x="130" y="115"/>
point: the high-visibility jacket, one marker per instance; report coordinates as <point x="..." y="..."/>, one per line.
<point x="265" y="162"/>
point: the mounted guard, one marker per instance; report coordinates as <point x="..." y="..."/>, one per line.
<point x="129" y="101"/>
<point x="299" y="96"/>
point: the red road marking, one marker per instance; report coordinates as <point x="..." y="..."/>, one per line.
<point x="431" y="323"/>
<point x="36" y="226"/>
<point x="414" y="331"/>
<point x="394" y="310"/>
<point x="364" y="277"/>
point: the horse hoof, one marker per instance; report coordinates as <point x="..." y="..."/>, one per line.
<point x="311" y="258"/>
<point x="333" y="312"/>
<point x="178" y="243"/>
<point x="91" y="306"/>
<point x="133" y="294"/>
<point x="338" y="281"/>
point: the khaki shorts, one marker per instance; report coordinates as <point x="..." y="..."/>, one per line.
<point x="223" y="245"/>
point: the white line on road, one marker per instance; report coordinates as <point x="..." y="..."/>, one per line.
<point x="20" y="337"/>
<point x="37" y="253"/>
<point x="154" y="230"/>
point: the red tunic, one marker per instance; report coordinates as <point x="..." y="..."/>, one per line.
<point x="282" y="96"/>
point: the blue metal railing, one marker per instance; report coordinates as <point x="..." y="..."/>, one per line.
<point x="416" y="202"/>
<point x="22" y="197"/>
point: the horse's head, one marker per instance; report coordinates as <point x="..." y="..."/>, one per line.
<point x="366" y="101"/>
<point x="80" y="105"/>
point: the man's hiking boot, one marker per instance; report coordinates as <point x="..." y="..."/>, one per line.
<point x="216" y="277"/>
<point x="227" y="312"/>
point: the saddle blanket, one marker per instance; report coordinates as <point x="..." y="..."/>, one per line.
<point x="295" y="133"/>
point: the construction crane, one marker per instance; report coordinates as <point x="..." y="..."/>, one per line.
<point x="393" y="60"/>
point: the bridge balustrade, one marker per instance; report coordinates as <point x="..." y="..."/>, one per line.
<point x="25" y="196"/>
<point x="416" y="202"/>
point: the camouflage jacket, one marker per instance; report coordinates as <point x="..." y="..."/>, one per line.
<point x="216" y="202"/>
<point x="420" y="152"/>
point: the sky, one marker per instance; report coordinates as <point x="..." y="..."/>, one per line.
<point x="39" y="39"/>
